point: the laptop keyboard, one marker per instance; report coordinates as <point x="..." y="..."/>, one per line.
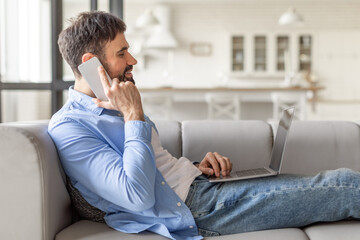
<point x="251" y="172"/>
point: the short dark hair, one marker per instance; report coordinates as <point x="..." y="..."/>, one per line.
<point x="88" y="32"/>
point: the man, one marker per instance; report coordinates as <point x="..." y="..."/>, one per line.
<point x="112" y="154"/>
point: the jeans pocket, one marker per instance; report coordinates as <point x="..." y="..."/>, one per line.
<point x="207" y="233"/>
<point x="198" y="215"/>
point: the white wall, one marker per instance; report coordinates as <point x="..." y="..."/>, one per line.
<point x="339" y="64"/>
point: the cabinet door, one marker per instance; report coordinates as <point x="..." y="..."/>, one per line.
<point x="238" y="53"/>
<point x="260" y="54"/>
<point x="305" y="53"/>
<point x="282" y="53"/>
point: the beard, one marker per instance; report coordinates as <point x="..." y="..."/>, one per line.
<point x="121" y="77"/>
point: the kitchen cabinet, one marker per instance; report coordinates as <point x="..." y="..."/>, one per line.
<point x="271" y="54"/>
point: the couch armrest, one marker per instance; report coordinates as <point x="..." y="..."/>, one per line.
<point x="34" y="201"/>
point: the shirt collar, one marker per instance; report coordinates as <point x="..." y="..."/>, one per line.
<point x="86" y="101"/>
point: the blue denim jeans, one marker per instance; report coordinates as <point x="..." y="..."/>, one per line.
<point x="274" y="202"/>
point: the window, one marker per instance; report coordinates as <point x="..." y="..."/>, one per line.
<point x="29" y="56"/>
<point x="25" y="45"/>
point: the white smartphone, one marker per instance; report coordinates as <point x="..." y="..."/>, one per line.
<point x="89" y="70"/>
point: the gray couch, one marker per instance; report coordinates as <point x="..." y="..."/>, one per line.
<point x="35" y="203"/>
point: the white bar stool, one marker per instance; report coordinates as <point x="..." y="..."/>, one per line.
<point x="223" y="106"/>
<point x="158" y="107"/>
<point x="283" y="101"/>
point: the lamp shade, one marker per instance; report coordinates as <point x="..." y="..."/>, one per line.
<point x="291" y="17"/>
<point x="161" y="38"/>
<point x="146" y="19"/>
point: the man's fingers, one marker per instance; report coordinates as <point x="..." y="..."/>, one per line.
<point x="223" y="165"/>
<point x="102" y="104"/>
<point x="206" y="170"/>
<point x="104" y="81"/>
<point x="228" y="165"/>
<point x="231" y="165"/>
<point x="214" y="163"/>
<point x="115" y="81"/>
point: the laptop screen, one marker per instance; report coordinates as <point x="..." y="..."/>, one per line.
<point x="280" y="138"/>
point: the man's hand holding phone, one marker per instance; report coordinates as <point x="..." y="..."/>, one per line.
<point x="123" y="97"/>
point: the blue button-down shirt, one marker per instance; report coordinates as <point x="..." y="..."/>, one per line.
<point x="112" y="164"/>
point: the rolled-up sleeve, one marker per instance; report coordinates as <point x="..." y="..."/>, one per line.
<point x="124" y="178"/>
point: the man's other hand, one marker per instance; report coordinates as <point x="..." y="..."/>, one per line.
<point x="214" y="163"/>
<point x="123" y="97"/>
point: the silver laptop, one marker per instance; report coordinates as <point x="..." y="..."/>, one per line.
<point x="276" y="154"/>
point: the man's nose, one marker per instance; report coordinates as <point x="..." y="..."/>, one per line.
<point x="131" y="60"/>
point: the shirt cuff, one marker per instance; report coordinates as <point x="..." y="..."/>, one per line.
<point x="137" y="129"/>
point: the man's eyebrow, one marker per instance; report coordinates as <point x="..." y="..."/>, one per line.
<point x="123" y="49"/>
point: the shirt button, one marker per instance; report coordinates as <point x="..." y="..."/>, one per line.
<point x="179" y="204"/>
<point x="191" y="226"/>
<point x="162" y="183"/>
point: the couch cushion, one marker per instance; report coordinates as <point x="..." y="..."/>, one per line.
<point x="86" y="230"/>
<point x="276" y="234"/>
<point x="344" y="230"/>
<point x="248" y="144"/>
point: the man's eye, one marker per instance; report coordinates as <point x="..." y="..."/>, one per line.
<point x="121" y="54"/>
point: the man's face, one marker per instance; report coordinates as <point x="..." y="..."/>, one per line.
<point x="117" y="61"/>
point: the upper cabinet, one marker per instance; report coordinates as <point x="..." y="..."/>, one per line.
<point x="271" y="54"/>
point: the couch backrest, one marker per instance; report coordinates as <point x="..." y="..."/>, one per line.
<point x="312" y="146"/>
<point x="170" y="136"/>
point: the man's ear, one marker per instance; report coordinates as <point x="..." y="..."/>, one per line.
<point x="86" y="57"/>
